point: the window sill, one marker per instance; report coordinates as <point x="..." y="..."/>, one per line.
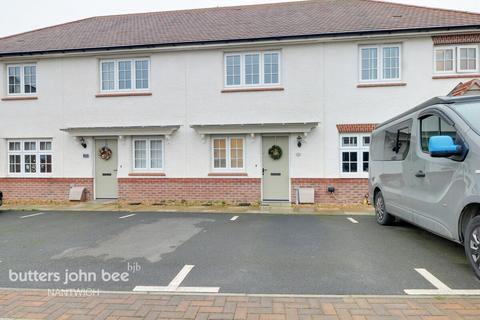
<point x="228" y="174"/>
<point x="380" y="85"/>
<point x="261" y="89"/>
<point x="19" y="98"/>
<point x="456" y="76"/>
<point x="147" y="174"/>
<point x="123" y="94"/>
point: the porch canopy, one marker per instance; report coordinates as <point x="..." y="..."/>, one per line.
<point x="164" y="130"/>
<point x="255" y="128"/>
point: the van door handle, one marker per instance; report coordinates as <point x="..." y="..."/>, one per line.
<point x="420" y="174"/>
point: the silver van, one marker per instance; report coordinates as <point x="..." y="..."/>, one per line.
<point x="425" y="169"/>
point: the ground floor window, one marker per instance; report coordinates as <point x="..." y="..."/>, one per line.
<point x="228" y="153"/>
<point x="354" y="153"/>
<point x="148" y="154"/>
<point x="29" y="157"/>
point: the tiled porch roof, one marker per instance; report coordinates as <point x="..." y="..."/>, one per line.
<point x="356" y="127"/>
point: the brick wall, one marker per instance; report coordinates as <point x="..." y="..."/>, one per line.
<point x="347" y="190"/>
<point x="42" y="188"/>
<point x="190" y="189"/>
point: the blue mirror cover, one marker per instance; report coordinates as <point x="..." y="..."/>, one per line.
<point x="443" y="146"/>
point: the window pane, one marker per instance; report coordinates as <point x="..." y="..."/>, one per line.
<point x="141" y="74"/>
<point x="349" y="161"/>
<point x="365" y="155"/>
<point x="14" y="163"/>
<point x="45" y="163"/>
<point x="124" y="75"/>
<point x="233" y="70"/>
<point x="30" y="163"/>
<point x="391" y="62"/>
<point x="271" y="67"/>
<point x="366" y="141"/>
<point x="236" y="153"/>
<point x="369" y="62"/>
<point x="430" y="126"/>
<point x="140" y="161"/>
<point x="108" y="76"/>
<point x="219" y="153"/>
<point x="30" y="79"/>
<point x="13" y="80"/>
<point x="444" y="60"/>
<point x="156" y="154"/>
<point x="349" y="141"/>
<point x="252" y="69"/>
<point x="13" y="146"/>
<point x="468" y="59"/>
<point x="45" y="145"/>
<point x="29" y="146"/>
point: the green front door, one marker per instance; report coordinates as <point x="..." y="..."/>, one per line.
<point x="106" y="162"/>
<point x="276" y="179"/>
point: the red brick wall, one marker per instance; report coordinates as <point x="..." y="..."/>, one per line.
<point x="190" y="189"/>
<point x="42" y="188"/>
<point x="347" y="190"/>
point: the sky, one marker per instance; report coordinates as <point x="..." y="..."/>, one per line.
<point x="24" y="15"/>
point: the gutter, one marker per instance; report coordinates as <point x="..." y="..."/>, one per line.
<point x="193" y="44"/>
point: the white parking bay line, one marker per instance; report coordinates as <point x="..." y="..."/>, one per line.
<point x="442" y="288"/>
<point x="32" y="215"/>
<point x="352" y="220"/>
<point x="174" y="285"/>
<point x="127" y="216"/>
<point x="234" y="218"/>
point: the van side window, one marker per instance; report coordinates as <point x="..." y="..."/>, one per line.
<point x="397" y="141"/>
<point x="434" y="126"/>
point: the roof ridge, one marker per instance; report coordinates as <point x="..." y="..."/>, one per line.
<point x="44" y="28"/>
<point x="423" y="7"/>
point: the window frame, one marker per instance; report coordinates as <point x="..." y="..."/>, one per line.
<point x="148" y="140"/>
<point x="380" y="78"/>
<point x="458" y="60"/>
<point x="454" y="59"/>
<point x="22" y="153"/>
<point x="359" y="149"/>
<point x="228" y="167"/>
<point x="243" y="55"/>
<point x="116" y="74"/>
<point x="22" y="67"/>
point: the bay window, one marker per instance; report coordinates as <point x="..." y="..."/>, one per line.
<point x="354" y="153"/>
<point x="252" y="69"/>
<point x="228" y="153"/>
<point x="125" y="75"/>
<point x="148" y="154"/>
<point x="380" y="63"/>
<point x="29" y="157"/>
<point x="22" y="79"/>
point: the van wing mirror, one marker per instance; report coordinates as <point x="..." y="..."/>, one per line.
<point x="443" y="146"/>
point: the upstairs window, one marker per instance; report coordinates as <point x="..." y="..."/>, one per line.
<point x="125" y="75"/>
<point x="380" y="63"/>
<point x="29" y="157"/>
<point x="252" y="69"/>
<point x="22" y="79"/>
<point x="455" y="59"/>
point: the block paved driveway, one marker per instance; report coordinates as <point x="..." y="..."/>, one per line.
<point x="254" y="254"/>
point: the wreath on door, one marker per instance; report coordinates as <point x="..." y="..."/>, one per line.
<point x="275" y="152"/>
<point x="105" y="153"/>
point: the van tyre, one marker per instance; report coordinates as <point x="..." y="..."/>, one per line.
<point x="381" y="214"/>
<point x="472" y="244"/>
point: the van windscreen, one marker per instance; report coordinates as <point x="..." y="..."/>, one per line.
<point x="470" y="112"/>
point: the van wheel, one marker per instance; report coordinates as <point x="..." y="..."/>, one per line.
<point x="472" y="244"/>
<point x="383" y="217"/>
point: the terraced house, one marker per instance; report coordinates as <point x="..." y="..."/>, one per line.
<point x="234" y="104"/>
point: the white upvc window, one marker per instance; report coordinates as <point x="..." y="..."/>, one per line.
<point x="29" y="157"/>
<point x="467" y="58"/>
<point x="228" y="153"/>
<point x="354" y="153"/>
<point x="380" y="63"/>
<point x="444" y="59"/>
<point x="22" y="79"/>
<point x="252" y="69"/>
<point x="148" y="154"/>
<point x="125" y="74"/>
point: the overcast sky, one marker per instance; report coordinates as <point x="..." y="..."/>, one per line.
<point x="24" y="15"/>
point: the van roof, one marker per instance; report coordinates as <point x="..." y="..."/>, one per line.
<point x="431" y="102"/>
